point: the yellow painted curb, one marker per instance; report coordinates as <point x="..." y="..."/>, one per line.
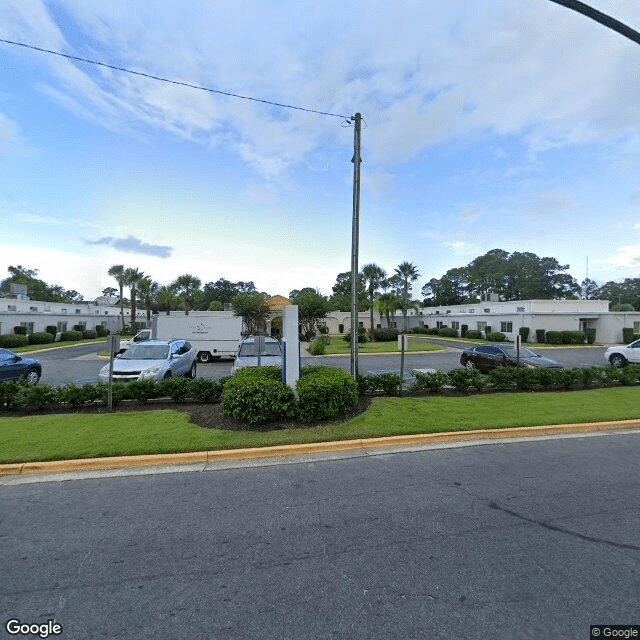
<point x="202" y="457"/>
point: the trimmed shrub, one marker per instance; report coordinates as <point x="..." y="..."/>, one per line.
<point x="447" y="333"/>
<point x="629" y="375"/>
<point x="433" y="332"/>
<point x="463" y="379"/>
<point x="176" y="388"/>
<point x="388" y="334"/>
<point x="205" y="390"/>
<point x="496" y="336"/>
<point x="592" y="375"/>
<point x="591" y="335"/>
<point x="503" y="377"/>
<point x="101" y="331"/>
<point x="473" y="335"/>
<point x="118" y="392"/>
<point x="317" y="348"/>
<point x="76" y="396"/>
<point x="487" y="330"/>
<point x="254" y="395"/>
<point x="388" y="383"/>
<point x="70" y="336"/>
<point x="553" y="337"/>
<point x="10" y="397"/>
<point x="570" y="377"/>
<point x="21" y="331"/>
<point x="323" y="330"/>
<point x="89" y="334"/>
<point x="420" y="330"/>
<point x="524" y="333"/>
<point x="572" y="337"/>
<point x="143" y="390"/>
<point x="362" y="335"/>
<point x="325" y="393"/>
<point x="628" y="335"/>
<point x="463" y="330"/>
<point x="540" y="336"/>
<point x="40" y="338"/>
<point x="10" y="340"/>
<point x="52" y="329"/>
<point x="430" y="381"/>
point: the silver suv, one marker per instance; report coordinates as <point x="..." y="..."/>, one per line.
<point x="153" y="360"/>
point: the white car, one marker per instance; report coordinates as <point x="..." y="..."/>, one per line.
<point x="620" y="356"/>
<point x="258" y="351"/>
<point x="153" y="360"/>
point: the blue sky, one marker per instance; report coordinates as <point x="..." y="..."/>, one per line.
<point x="494" y="124"/>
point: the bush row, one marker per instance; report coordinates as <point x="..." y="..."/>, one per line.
<point x="20" y="339"/>
<point x="21" y="395"/>
<point x="505" y="378"/>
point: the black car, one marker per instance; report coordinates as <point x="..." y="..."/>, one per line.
<point x="486" y="357"/>
<point x="15" y="367"/>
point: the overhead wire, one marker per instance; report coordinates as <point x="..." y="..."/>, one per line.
<point x="175" y="82"/>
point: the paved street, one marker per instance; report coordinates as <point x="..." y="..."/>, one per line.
<point x="533" y="540"/>
<point x="81" y="363"/>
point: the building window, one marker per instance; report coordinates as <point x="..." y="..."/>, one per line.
<point x="481" y="325"/>
<point x="455" y="325"/>
<point x="63" y="311"/>
<point x="62" y="326"/>
<point x="29" y="326"/>
<point x="448" y="310"/>
<point x="487" y="310"/>
<point x="472" y="310"/>
<point x="439" y="324"/>
<point x="77" y="310"/>
<point x="506" y="327"/>
<point x="636" y="327"/>
<point x="520" y="309"/>
<point x="12" y="307"/>
<point x="33" y="308"/>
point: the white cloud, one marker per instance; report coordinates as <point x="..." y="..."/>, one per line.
<point x="11" y="141"/>
<point x="624" y="258"/>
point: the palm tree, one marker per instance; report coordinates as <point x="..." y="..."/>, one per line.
<point x="406" y="272"/>
<point x="166" y="296"/>
<point x="117" y="272"/>
<point x="186" y="285"/>
<point x="373" y="276"/>
<point x="147" y="288"/>
<point x="387" y="304"/>
<point x="133" y="276"/>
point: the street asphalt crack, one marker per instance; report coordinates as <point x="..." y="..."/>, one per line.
<point x="551" y="527"/>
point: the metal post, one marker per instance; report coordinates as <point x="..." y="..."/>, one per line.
<point x="357" y="120"/>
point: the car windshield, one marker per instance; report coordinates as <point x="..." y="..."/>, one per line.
<point x="249" y="349"/>
<point x="146" y="352"/>
<point x="524" y="353"/>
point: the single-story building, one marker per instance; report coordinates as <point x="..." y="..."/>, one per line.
<point x="550" y="315"/>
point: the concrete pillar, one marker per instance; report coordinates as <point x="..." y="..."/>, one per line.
<point x="291" y="344"/>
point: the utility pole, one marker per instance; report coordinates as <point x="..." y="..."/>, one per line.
<point x="357" y="120"/>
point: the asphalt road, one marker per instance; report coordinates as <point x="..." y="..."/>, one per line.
<point x="80" y="364"/>
<point x="534" y="540"/>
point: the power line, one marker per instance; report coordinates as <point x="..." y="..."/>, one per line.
<point x="169" y="81"/>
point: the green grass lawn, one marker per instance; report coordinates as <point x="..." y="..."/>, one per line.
<point x="339" y="347"/>
<point x="54" y="345"/>
<point x="68" y="436"/>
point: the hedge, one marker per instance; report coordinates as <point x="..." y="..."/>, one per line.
<point x="10" y="340"/>
<point x="496" y="336"/>
<point x="324" y="393"/>
<point x="41" y="338"/>
<point x="540" y="336"/>
<point x="388" y="334"/>
<point x="70" y="336"/>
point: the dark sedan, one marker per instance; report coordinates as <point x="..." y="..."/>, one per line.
<point x="15" y="367"/>
<point x="489" y="356"/>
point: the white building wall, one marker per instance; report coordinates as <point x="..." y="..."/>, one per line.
<point x="15" y="312"/>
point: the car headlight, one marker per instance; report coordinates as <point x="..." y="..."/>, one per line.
<point x="152" y="372"/>
<point x="104" y="371"/>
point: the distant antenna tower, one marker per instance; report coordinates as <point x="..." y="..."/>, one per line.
<point x="587" y="276"/>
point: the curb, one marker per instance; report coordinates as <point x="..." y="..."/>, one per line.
<point x="85" y="464"/>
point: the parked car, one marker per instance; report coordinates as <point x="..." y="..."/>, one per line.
<point x="153" y="360"/>
<point x="258" y="351"/>
<point x="15" y="367"/>
<point x="487" y="357"/>
<point x="621" y="355"/>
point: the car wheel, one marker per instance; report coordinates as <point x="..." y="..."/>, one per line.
<point x="469" y="364"/>
<point x="32" y="376"/>
<point x="618" y="360"/>
<point x="204" y="356"/>
<point x="192" y="371"/>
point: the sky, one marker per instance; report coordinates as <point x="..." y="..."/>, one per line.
<point x="494" y="124"/>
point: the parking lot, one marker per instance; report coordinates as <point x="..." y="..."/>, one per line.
<point x="80" y="364"/>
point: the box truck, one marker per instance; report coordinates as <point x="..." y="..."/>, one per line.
<point x="213" y="334"/>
